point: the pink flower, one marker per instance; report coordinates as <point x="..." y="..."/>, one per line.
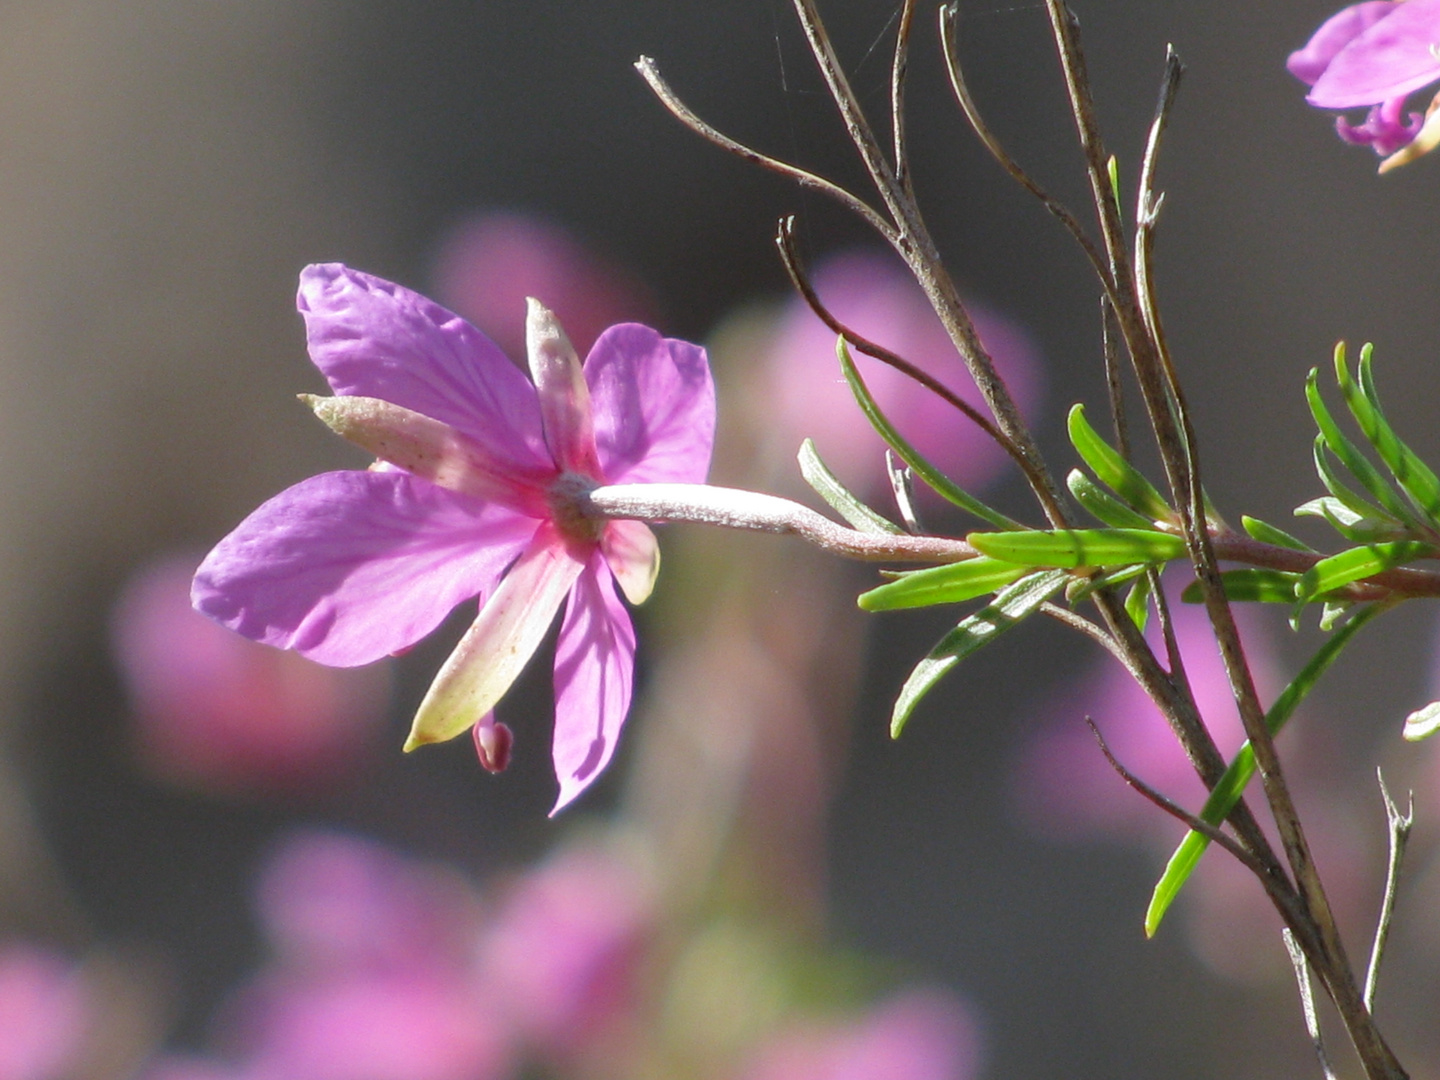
<point x="216" y="711"/>
<point x="873" y="294"/>
<point x="918" y="1035"/>
<point x="489" y="263"/>
<point x="374" y="974"/>
<point x="1375" y="54"/>
<point x="1065" y="786"/>
<point x="45" y="1012"/>
<point x="566" y="948"/>
<point x="328" y="899"/>
<point x="481" y="470"/>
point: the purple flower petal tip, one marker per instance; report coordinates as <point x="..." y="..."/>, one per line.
<point x="349" y="567"/>
<point x="1373" y="55"/>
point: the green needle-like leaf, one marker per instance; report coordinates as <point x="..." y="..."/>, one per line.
<point x="1423" y="723"/>
<point x="1137" y="603"/>
<point x="1114" y="471"/>
<point x="1071" y="548"/>
<point x="1252" y="584"/>
<point x="1232" y="783"/>
<point x="828" y="486"/>
<point x="1350" y="456"/>
<point x="948" y="584"/>
<point x="1269" y="534"/>
<point x="1356" y="563"/>
<point x="942" y="484"/>
<point x="1106" y="507"/>
<point x="1357" y="504"/>
<point x="1011" y="606"/>
<point x="1415" y="478"/>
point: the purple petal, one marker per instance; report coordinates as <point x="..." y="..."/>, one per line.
<point x="501" y="641"/>
<point x="1390" y="59"/>
<point x="594" y="670"/>
<point x="654" y="407"/>
<point x="372" y="338"/>
<point x="347" y="567"/>
<point x="1309" y="63"/>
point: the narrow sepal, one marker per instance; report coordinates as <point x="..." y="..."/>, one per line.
<point x="501" y="641"/>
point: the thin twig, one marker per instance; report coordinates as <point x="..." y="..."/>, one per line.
<point x="1399" y="827"/>
<point x="1112" y="377"/>
<point x="790" y="256"/>
<point x="898" y="71"/>
<point x="858" y="127"/>
<point x="1276" y="885"/>
<point x="913" y="242"/>
<point x="1337" y="973"/>
<point x="1328" y="953"/>
<point x="1307" y="1001"/>
<point x="1178" y="674"/>
<point x="646" y="66"/>
<point x="1094" y="631"/>
<point x="949" y="37"/>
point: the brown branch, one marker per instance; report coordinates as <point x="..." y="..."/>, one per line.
<point x="898" y="70"/>
<point x="1280" y="890"/>
<point x="790" y="256"/>
<point x="949" y="37"/>
<point x="646" y="67"/>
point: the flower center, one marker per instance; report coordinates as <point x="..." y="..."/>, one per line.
<point x="565" y="496"/>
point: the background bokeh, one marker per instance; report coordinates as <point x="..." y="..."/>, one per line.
<point x="167" y="167"/>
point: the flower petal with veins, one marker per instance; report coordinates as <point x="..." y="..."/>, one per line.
<point x="594" y="670"/>
<point x="349" y="567"/>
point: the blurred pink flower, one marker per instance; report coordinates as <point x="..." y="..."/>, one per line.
<point x="45" y="1012"/>
<point x="374" y="974"/>
<point x="1065" y="788"/>
<point x="917" y="1035"/>
<point x="219" y="712"/>
<point x="565" y="947"/>
<point x="872" y="293"/>
<point x="327" y="899"/>
<point x="1063" y="784"/>
<point x="369" y="1025"/>
<point x="489" y="263"/>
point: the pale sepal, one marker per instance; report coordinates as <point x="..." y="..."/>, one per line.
<point x="564" y="394"/>
<point x="633" y="555"/>
<point x="1422" y="723"/>
<point x="432" y="451"/>
<point x="501" y="641"/>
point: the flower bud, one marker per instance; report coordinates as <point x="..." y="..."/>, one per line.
<point x="493" y="742"/>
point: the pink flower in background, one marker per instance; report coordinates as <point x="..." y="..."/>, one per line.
<point x="873" y="294"/>
<point x="918" y="1035"/>
<point x="1374" y="55"/>
<point x="373" y="975"/>
<point x="219" y="712"/>
<point x="482" y="471"/>
<point x="489" y="263"/>
<point x="328" y="899"/>
<point x="566" y="947"/>
<point x="45" y="1013"/>
<point x="1064" y="786"/>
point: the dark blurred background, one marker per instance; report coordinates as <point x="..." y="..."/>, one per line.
<point x="167" y="167"/>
